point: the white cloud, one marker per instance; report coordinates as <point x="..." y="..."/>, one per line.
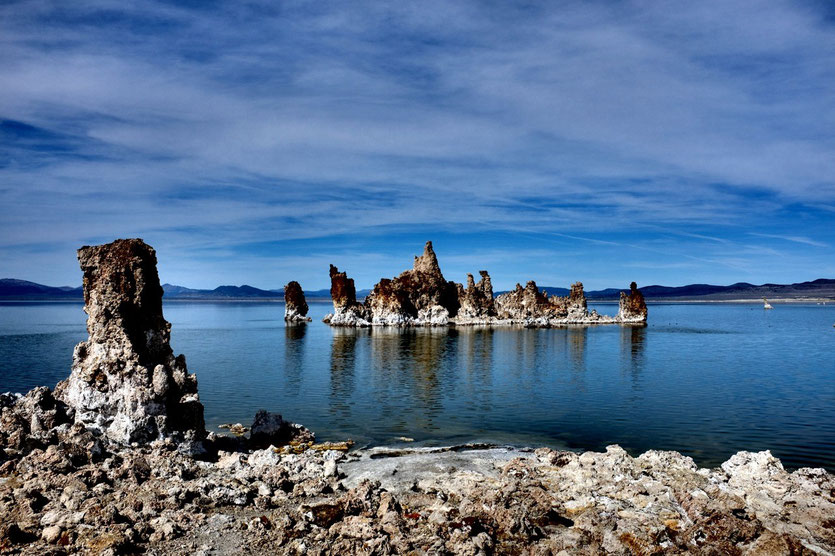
<point x="290" y="122"/>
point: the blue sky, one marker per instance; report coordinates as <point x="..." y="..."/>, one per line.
<point x="249" y="142"/>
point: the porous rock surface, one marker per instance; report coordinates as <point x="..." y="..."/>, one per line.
<point x="632" y="307"/>
<point x="63" y="498"/>
<point x="346" y="310"/>
<point x="126" y="382"/>
<point x="295" y="305"/>
<point x="423" y="297"/>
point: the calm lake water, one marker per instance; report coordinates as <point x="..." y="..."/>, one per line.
<point x="706" y="380"/>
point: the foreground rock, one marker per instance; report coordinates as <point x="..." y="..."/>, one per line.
<point x="295" y="305"/>
<point x="454" y="502"/>
<point x="126" y="382"/>
<point x="423" y="297"/>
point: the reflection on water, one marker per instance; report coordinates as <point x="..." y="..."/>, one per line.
<point x="294" y="346"/>
<point x="632" y="340"/>
<point x="343" y="369"/>
<point x="704" y="380"/>
<point x="424" y="381"/>
<point x="577" y="346"/>
<point x="476" y="349"/>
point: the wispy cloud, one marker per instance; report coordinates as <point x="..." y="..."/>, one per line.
<point x="794" y="239"/>
<point x="262" y="130"/>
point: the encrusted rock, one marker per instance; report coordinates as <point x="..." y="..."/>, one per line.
<point x="423" y="297"/>
<point x="632" y="307"/>
<point x="346" y="310"/>
<point x="28" y="422"/>
<point x="295" y="305"/>
<point x="477" y="300"/>
<point x="125" y="381"/>
<point x="417" y="295"/>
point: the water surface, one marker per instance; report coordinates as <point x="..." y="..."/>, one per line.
<point x="704" y="379"/>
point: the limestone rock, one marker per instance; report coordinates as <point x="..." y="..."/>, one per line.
<point x="423" y="297"/>
<point x="477" y="300"/>
<point x="295" y="305"/>
<point x="417" y="296"/>
<point x="576" y="307"/>
<point x="632" y="307"/>
<point x="346" y="310"/>
<point x="125" y="381"/>
<point x="420" y="296"/>
<point x="28" y="421"/>
<point x="343" y="291"/>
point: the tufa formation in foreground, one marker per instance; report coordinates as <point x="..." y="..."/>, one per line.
<point x="295" y="305"/>
<point x="126" y="383"/>
<point x="423" y="297"/>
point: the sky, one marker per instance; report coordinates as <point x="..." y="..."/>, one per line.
<point x="256" y="142"/>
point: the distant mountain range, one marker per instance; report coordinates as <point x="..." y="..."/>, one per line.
<point x="241" y="292"/>
<point x="21" y="290"/>
<point x="816" y="289"/>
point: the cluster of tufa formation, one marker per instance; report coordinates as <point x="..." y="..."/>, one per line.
<point x="535" y="307"/>
<point x="295" y="305"/>
<point x="423" y="297"/>
<point x="126" y="382"/>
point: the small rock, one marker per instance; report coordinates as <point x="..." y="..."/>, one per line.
<point x="51" y="534"/>
<point x="331" y="469"/>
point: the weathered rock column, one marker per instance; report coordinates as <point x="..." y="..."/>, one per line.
<point x="477" y="300"/>
<point x="577" y="306"/>
<point x="346" y="310"/>
<point x="632" y="307"/>
<point x="125" y="381"/>
<point x="295" y="305"/>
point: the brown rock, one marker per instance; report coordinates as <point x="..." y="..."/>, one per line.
<point x="26" y="422"/>
<point x="477" y="300"/>
<point x="632" y="306"/>
<point x="295" y="305"/>
<point x="343" y="291"/>
<point x="125" y="380"/>
<point x="530" y="303"/>
<point x="346" y="310"/>
<point x="421" y="294"/>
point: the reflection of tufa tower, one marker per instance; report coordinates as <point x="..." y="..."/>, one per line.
<point x="632" y="339"/>
<point x="294" y="342"/>
<point x="343" y="367"/>
<point x="577" y="346"/>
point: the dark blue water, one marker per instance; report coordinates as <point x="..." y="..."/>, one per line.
<point x="706" y="380"/>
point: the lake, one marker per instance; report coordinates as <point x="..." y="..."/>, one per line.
<point x="704" y="379"/>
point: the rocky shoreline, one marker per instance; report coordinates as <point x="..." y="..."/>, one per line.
<point x="423" y="297"/>
<point x="117" y="460"/>
<point x="155" y="499"/>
